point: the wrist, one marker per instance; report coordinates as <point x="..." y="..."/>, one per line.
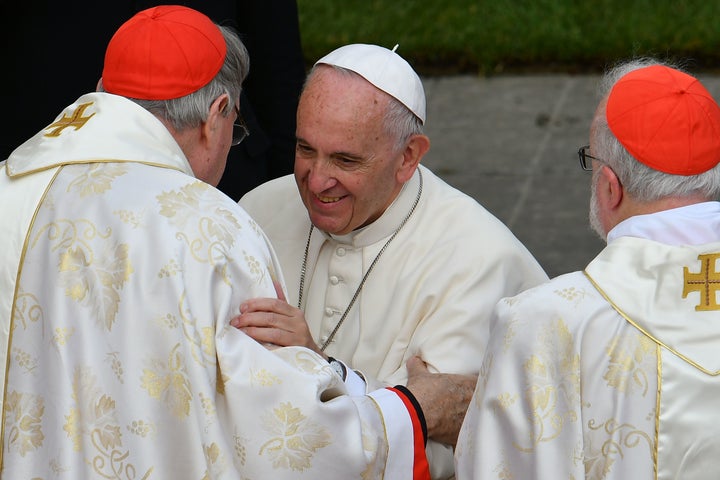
<point x="418" y="409"/>
<point x="338" y="367"/>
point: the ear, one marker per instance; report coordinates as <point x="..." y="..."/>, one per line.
<point x="211" y="127"/>
<point x="610" y="191"/>
<point x="416" y="148"/>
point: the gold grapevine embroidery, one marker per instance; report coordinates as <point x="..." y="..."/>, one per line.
<point x="76" y="121"/>
<point x="706" y="282"/>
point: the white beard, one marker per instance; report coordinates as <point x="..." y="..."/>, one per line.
<point x="594" y="214"/>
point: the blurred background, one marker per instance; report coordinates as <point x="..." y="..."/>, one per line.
<point x="511" y="92"/>
<point x="487" y="37"/>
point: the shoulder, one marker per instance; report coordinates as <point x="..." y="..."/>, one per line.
<point x="568" y="289"/>
<point x="276" y="206"/>
<point x="460" y="211"/>
<point x="173" y="203"/>
<point x="276" y="192"/>
<point x="461" y="221"/>
<point x="569" y="297"/>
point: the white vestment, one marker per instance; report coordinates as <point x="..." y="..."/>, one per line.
<point x="611" y="373"/>
<point x="430" y="294"/>
<point x="121" y="280"/>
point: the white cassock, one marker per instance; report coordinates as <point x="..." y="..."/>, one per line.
<point x="610" y="373"/>
<point x="430" y="293"/>
<point x="122" y="271"/>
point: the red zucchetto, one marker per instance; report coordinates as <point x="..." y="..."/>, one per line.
<point x="162" y="53"/>
<point x="666" y="119"/>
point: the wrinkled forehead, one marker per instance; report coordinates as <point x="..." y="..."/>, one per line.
<point x="338" y="113"/>
<point x="332" y="88"/>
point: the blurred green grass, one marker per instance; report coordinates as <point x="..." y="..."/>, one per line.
<point x="503" y="36"/>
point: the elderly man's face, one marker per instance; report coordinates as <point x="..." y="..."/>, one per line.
<point x="346" y="166"/>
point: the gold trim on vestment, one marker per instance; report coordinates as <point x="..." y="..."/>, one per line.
<point x="12" y="310"/>
<point x="13" y="175"/>
<point x="658" y="397"/>
<point x="644" y="332"/>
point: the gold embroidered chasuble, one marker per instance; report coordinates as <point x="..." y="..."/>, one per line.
<point x="610" y="374"/>
<point x="120" y="359"/>
<point x="683" y="319"/>
<point x="19" y="199"/>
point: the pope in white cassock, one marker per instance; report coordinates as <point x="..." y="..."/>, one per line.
<point x="120" y="268"/>
<point x="612" y="372"/>
<point x="383" y="259"/>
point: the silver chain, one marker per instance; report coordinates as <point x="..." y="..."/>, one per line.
<point x="365" y="277"/>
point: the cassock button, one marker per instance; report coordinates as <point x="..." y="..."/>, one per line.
<point x="334" y="280"/>
<point x="341" y="252"/>
<point x="329" y="312"/>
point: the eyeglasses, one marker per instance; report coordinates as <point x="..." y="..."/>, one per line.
<point x="240" y="130"/>
<point x="585" y="158"/>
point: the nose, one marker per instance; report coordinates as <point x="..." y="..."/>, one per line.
<point x="321" y="176"/>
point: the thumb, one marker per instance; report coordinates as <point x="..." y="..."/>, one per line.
<point x="416" y="366"/>
<point x="279" y="291"/>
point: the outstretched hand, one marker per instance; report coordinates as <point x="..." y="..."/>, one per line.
<point x="275" y="321"/>
<point x="443" y="397"/>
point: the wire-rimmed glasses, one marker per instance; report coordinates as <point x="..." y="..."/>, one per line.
<point x="586" y="159"/>
<point x="240" y="130"/>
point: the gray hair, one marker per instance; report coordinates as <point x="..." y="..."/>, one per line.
<point x="400" y="123"/>
<point x="192" y="109"/>
<point x="640" y="181"/>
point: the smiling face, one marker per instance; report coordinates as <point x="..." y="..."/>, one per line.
<point x="347" y="168"/>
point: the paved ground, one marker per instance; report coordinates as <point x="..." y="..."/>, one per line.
<point x="511" y="143"/>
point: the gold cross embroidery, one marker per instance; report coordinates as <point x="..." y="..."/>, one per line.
<point x="76" y="121"/>
<point x="707" y="282"/>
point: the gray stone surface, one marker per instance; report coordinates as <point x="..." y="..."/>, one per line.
<point x="511" y="143"/>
